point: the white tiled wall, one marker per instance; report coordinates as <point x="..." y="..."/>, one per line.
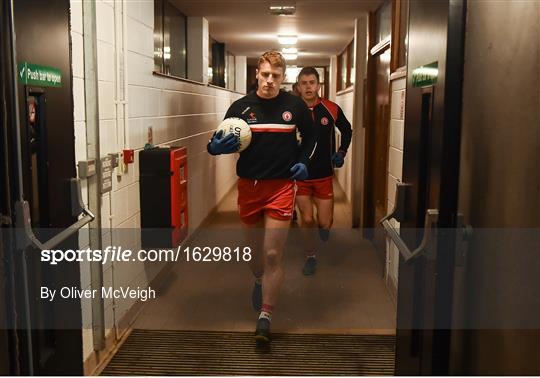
<point x="178" y="112"/>
<point x="395" y="169"/>
<point x="344" y="174"/>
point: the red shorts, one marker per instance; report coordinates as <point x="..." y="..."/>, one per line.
<point x="274" y="198"/>
<point x="322" y="188"/>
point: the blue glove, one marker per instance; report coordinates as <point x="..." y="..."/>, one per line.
<point x="299" y="171"/>
<point x="219" y="145"/>
<point x="338" y="159"/>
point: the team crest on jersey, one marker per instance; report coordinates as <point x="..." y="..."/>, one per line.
<point x="252" y="118"/>
<point x="324" y="121"/>
<point x="287" y="116"/>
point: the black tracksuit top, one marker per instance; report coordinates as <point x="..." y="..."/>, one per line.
<point x="327" y="115"/>
<point x="274" y="148"/>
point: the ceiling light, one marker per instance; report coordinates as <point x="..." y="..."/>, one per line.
<point x="287" y="39"/>
<point x="282" y="10"/>
<point x="289" y="50"/>
<point x="290" y="56"/>
<point x="292" y="72"/>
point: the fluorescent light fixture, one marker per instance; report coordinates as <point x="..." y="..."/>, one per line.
<point x="287" y="39"/>
<point x="289" y="50"/>
<point x="292" y="72"/>
<point x="290" y="56"/>
<point x="282" y="10"/>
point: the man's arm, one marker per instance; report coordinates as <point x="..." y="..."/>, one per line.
<point x="233" y="111"/>
<point x="218" y="144"/>
<point x="345" y="129"/>
<point x="309" y="133"/>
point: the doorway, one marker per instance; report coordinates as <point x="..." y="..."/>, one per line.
<point x="375" y="199"/>
<point x="38" y="164"/>
<point x="427" y="200"/>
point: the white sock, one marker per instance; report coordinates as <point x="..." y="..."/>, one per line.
<point x="265" y="315"/>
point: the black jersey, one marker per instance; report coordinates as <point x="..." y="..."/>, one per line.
<point x="274" y="148"/>
<point x="328" y="114"/>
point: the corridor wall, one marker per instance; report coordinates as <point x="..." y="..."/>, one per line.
<point x="177" y="112"/>
<point x="345" y="100"/>
<point x="395" y="169"/>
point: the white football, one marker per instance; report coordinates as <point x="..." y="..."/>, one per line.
<point x="238" y="127"/>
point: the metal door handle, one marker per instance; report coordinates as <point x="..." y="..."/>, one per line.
<point x="24" y="221"/>
<point x="432" y="216"/>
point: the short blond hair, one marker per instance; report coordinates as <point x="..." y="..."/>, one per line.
<point x="274" y="58"/>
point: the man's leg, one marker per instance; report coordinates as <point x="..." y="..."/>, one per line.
<point x="325" y="213"/>
<point x="274" y="241"/>
<point x="323" y="198"/>
<point x="309" y="235"/>
<point x="305" y="205"/>
<point x="252" y="216"/>
<point x="253" y="236"/>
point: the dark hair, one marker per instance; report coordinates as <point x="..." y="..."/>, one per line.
<point x="309" y="71"/>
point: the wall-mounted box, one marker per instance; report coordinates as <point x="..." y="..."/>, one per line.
<point x="164" y="203"/>
<point x="86" y="168"/>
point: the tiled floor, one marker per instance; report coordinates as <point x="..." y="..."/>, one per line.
<point x="347" y="294"/>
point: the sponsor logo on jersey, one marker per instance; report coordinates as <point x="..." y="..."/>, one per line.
<point x="287" y="116"/>
<point x="324" y="121"/>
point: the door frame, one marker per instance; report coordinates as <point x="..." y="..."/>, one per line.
<point x="68" y="338"/>
<point x="369" y="221"/>
<point x="9" y="353"/>
<point x="424" y="328"/>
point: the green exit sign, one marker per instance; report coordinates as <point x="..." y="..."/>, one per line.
<point x="43" y="76"/>
<point x="425" y="75"/>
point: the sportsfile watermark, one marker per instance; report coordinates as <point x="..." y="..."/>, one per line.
<point x="212" y="269"/>
<point x="119" y="254"/>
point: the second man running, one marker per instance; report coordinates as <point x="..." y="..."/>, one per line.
<point x="318" y="188"/>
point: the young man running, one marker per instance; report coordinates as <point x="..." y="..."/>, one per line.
<point x="267" y="171"/>
<point x="318" y="188"/>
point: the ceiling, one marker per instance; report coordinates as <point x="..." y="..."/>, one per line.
<point x="324" y="28"/>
